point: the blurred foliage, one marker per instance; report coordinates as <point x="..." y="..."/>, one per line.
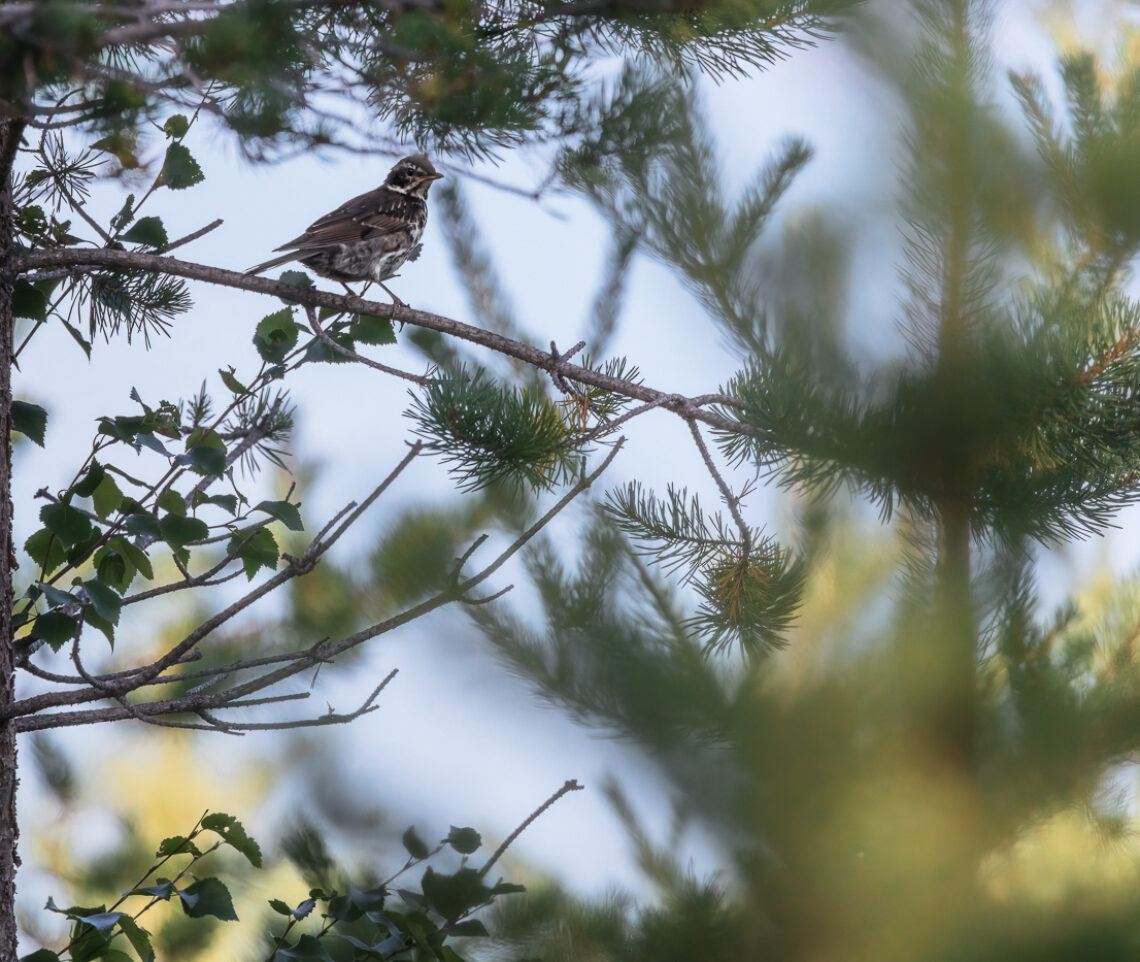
<point x="456" y="75"/>
<point x="838" y="830"/>
<point x="337" y="921"/>
<point x="939" y="764"/>
<point x="893" y="745"/>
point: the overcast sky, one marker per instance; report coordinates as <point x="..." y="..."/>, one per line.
<point x="550" y="254"/>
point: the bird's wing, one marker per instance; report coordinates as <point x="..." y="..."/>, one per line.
<point x="361" y="218"/>
<point x="285" y="258"/>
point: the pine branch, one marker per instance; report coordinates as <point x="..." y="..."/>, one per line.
<point x="80" y="258"/>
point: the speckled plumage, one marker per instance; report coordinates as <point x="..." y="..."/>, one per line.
<point x="371" y="236"/>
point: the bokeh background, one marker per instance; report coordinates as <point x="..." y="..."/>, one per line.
<point x="460" y="737"/>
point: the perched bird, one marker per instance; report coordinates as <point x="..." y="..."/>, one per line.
<point x="371" y="236"/>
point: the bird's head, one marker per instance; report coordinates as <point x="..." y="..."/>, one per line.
<point x="412" y="175"/>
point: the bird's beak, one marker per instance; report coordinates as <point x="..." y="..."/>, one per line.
<point x="436" y="176"/>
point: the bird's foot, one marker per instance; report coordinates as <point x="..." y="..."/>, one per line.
<point x="396" y="300"/>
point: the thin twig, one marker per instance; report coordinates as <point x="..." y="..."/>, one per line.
<point x="730" y="499"/>
<point x="28" y="713"/>
<point x="570" y="785"/>
<point x="360" y="358"/>
<point x="99" y="257"/>
<point x="201" y="232"/>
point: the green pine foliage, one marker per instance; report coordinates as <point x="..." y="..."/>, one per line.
<point x="890" y="739"/>
<point x="470" y="77"/>
<point x="937" y="764"/>
<point x="489" y="434"/>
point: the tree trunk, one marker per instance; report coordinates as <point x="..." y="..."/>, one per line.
<point x="10" y="132"/>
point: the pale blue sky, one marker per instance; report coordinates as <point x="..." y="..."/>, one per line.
<point x="550" y="256"/>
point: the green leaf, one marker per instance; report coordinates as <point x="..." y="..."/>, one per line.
<point x="464" y="840"/>
<point x="508" y="888"/>
<point x="46" y="550"/>
<point x="86" y="485"/>
<point x="104" y="600"/>
<point x="283" y="511"/>
<point x="22" y="612"/>
<point x="135" y="555"/>
<point x="170" y="500"/>
<point x="100" y="921"/>
<point x="88" y="944"/>
<point x="178" y="531"/>
<point x="55" y="628"/>
<point x="41" y="955"/>
<point x="138" y="937"/>
<point x="30" y="420"/>
<point x="113" y="569"/>
<point x="107" y="497"/>
<point x="381" y="949"/>
<point x="78" y="337"/>
<point x="180" y="170"/>
<point x="68" y="524"/>
<point x="144" y="524"/>
<point x="79" y="553"/>
<point x="208" y="897"/>
<point x="29" y="301"/>
<point x="163" y="888"/>
<point x="31" y="220"/>
<point x="415" y="846"/>
<point x="148" y="231"/>
<point x="452" y="895"/>
<point x="125" y="214"/>
<point x="320" y="352"/>
<point x="296" y="278"/>
<point x="176" y="845"/>
<point x="307" y="949"/>
<point x="54" y="596"/>
<point x="234" y="834"/>
<point x="121" y="144"/>
<point x="276" y="335"/>
<point x="95" y="620"/>
<point x="205" y="453"/>
<point x="232" y="382"/>
<point x="176" y="126"/>
<point x="72" y="910"/>
<point x="420" y="928"/>
<point x="257" y="550"/>
<point x="355" y="903"/>
<point x="368" y="329"/>
<point x="227" y="502"/>
<point x="281" y="908"/>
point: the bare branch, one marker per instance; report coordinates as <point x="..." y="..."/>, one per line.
<point x="475" y="602"/>
<point x="608" y="427"/>
<point x="730" y="499"/>
<point x="26" y="713"/>
<point x="122" y="684"/>
<point x="360" y="358"/>
<point x="77" y="257"/>
<point x="570" y="785"/>
<point x="201" y="232"/>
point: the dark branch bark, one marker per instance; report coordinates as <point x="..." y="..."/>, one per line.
<point x="10" y="132"/>
<point x="32" y="715"/>
<point x="76" y="257"/>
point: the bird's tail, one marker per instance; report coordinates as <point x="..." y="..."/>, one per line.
<point x="283" y="259"/>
